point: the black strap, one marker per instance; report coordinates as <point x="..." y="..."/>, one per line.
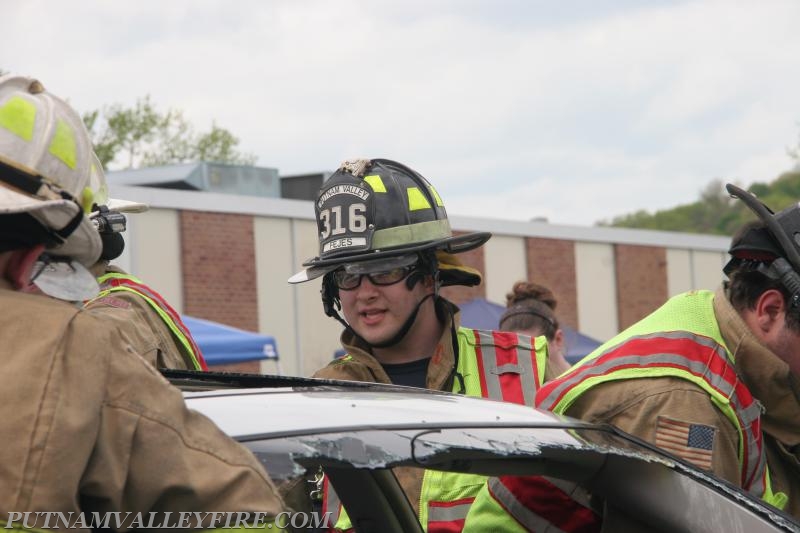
<point x="67" y="230"/>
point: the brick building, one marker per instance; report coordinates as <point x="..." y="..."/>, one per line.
<point x="226" y="257"/>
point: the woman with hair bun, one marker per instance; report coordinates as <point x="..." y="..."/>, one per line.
<point x="530" y="310"/>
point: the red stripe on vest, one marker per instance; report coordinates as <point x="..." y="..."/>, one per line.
<point x="162" y="303"/>
<point x="655" y="347"/>
<point x="455" y="526"/>
<point x="481" y="369"/>
<point x="551" y="503"/>
<point x="452" y="526"/>
<point x="649" y="347"/>
<point x="506" y="353"/>
<point x="327" y="504"/>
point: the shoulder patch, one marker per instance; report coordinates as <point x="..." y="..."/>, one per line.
<point x="691" y="442"/>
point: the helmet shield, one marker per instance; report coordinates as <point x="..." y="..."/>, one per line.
<point x="381" y="265"/>
<point x="371" y="209"/>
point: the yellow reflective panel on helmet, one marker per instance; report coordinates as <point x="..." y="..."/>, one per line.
<point x="417" y="200"/>
<point x="87" y="200"/>
<point x="436" y="196"/>
<point x="97" y="182"/>
<point x="376" y="182"/>
<point x="18" y="116"/>
<point x="63" y="144"/>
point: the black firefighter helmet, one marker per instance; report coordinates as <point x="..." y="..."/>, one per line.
<point x="772" y="248"/>
<point x="380" y="210"/>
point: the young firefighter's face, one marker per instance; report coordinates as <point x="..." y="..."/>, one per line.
<point x="377" y="312"/>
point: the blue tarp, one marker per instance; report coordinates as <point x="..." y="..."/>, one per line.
<point x="223" y="344"/>
<point x="480" y="313"/>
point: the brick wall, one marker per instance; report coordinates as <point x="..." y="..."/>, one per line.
<point x="641" y="273"/>
<point x="219" y="268"/>
<point x="475" y="259"/>
<point x="551" y="262"/>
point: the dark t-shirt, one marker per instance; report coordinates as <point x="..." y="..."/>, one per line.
<point x="412" y="374"/>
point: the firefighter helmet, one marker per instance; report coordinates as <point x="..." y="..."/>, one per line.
<point x="379" y="209"/>
<point x="45" y="160"/>
<point x="772" y="247"/>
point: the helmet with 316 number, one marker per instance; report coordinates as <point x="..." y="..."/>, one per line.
<point x="378" y="209"/>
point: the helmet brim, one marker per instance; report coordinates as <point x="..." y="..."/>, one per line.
<point x="83" y="244"/>
<point x="317" y="267"/>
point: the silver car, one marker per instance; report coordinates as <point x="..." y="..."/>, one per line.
<point x="357" y="432"/>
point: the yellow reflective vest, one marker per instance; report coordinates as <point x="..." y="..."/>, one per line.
<point x="681" y="339"/>
<point x="494" y="364"/>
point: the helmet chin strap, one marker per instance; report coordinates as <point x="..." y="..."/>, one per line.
<point x="331" y="305"/>
<point x="403" y="330"/>
<point x="412" y="279"/>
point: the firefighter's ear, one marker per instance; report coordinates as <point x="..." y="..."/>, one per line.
<point x="770" y="310"/>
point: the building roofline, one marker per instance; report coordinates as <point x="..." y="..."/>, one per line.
<point x="303" y="210"/>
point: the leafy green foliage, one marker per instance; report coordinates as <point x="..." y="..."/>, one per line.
<point x="143" y="136"/>
<point x="715" y="212"/>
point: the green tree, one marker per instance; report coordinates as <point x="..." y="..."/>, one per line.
<point x="715" y="212"/>
<point x="220" y="145"/>
<point x="143" y="136"/>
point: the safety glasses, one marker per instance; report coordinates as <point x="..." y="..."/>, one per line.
<point x="348" y="281"/>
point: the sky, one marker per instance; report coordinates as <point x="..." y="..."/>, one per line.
<point x="575" y="111"/>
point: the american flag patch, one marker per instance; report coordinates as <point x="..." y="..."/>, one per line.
<point x="692" y="442"/>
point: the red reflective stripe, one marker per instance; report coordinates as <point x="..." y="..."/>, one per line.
<point x="330" y="503"/>
<point x="481" y="368"/>
<point x="551" y="503"/>
<point x="456" y="525"/>
<point x="506" y="353"/>
<point x="162" y="303"/>
<point x="649" y="347"/>
<point x="684" y="348"/>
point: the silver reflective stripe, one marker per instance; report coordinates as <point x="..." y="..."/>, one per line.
<point x="331" y="503"/>
<point x="583" y="372"/>
<point x="524" y="367"/>
<point x="411" y="234"/>
<point x="573" y="490"/>
<point x="754" y="462"/>
<point x="527" y="518"/>
<point x="449" y="513"/>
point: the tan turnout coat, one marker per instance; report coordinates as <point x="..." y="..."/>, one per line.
<point x="91" y="426"/>
<point x="634" y="405"/>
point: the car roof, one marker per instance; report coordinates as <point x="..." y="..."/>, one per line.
<point x="335" y="409"/>
<point x="356" y="431"/>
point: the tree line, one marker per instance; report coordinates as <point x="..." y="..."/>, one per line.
<point x="143" y="136"/>
<point x="715" y="211"/>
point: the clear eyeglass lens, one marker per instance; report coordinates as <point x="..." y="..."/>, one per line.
<point x="348" y="282"/>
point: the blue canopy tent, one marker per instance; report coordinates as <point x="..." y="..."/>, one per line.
<point x="480" y="313"/>
<point x="223" y="344"/>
